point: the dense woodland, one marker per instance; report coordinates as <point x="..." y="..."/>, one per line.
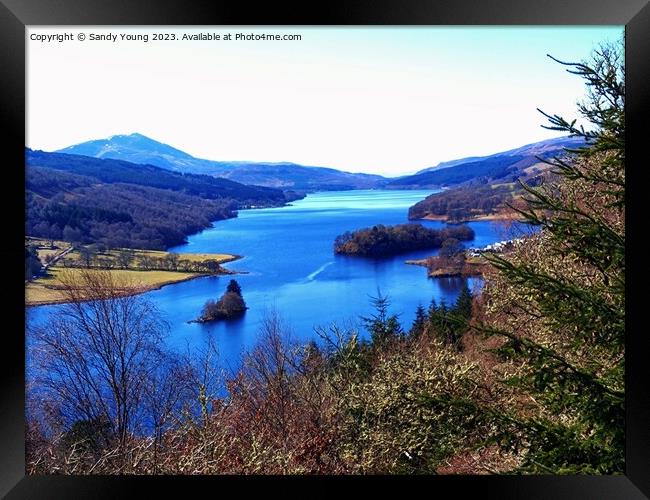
<point x="481" y="196"/>
<point x="383" y="241"/>
<point x="525" y="377"/>
<point x="119" y="204"/>
<point x="462" y="203"/>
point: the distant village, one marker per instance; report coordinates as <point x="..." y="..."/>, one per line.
<point x="498" y="247"/>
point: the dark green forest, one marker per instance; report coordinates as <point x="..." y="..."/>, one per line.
<point x="120" y="204"/>
<point x="383" y="241"/>
<point x="461" y="203"/>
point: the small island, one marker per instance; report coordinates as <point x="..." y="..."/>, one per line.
<point x="385" y="241"/>
<point x="452" y="266"/>
<point x="231" y="305"/>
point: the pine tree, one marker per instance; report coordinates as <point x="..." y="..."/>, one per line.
<point x="463" y="305"/>
<point x="444" y="323"/>
<point x="433" y="307"/>
<point x="419" y="323"/>
<point x="234" y="287"/>
<point x="382" y="326"/>
<point x="563" y="292"/>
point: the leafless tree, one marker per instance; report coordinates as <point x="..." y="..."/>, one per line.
<point x="146" y="262"/>
<point x="171" y="261"/>
<point x="101" y="357"/>
<point x="87" y="256"/>
<point x="125" y="257"/>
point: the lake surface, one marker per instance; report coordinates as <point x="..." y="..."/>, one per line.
<point x="291" y="268"/>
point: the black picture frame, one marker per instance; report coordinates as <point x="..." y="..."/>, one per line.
<point x="16" y="14"/>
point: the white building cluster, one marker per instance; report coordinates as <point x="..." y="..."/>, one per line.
<point x="498" y="247"/>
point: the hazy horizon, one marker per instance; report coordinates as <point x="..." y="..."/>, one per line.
<point x="388" y="101"/>
<point x="281" y="161"/>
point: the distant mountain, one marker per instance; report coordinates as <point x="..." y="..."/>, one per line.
<point x="447" y="164"/>
<point x="487" y="186"/>
<point x="137" y="148"/>
<point x="506" y="165"/>
<point x="83" y="199"/>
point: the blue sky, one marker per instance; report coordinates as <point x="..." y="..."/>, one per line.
<point x="381" y="100"/>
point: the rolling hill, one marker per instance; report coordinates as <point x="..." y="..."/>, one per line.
<point x="137" y="148"/>
<point x="503" y="166"/>
<point x="484" y="187"/>
<point x="82" y="199"/>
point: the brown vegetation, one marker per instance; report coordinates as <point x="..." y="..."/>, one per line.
<point x="528" y="377"/>
<point x="394" y="405"/>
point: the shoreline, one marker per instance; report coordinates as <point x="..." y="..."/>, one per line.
<point x="494" y="217"/>
<point x="466" y="270"/>
<point x="234" y="216"/>
<point x="146" y="288"/>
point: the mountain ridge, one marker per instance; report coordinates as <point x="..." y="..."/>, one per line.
<point x="140" y="149"/>
<point x="501" y="165"/>
<point x="530" y="147"/>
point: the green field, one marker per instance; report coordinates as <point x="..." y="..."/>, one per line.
<point x="136" y="279"/>
<point x="47" y="290"/>
<point x="137" y="254"/>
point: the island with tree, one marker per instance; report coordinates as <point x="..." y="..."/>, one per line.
<point x="524" y="376"/>
<point x="385" y="241"/>
<point x="231" y="305"/>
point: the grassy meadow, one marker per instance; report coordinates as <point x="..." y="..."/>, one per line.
<point x="136" y="276"/>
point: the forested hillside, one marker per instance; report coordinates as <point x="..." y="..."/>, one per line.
<point x="503" y="167"/>
<point x="462" y="203"/>
<point x="120" y="204"/>
<point x="116" y="171"/>
<point x="524" y="376"/>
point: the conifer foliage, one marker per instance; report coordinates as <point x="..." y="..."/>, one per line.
<point x="559" y="300"/>
<point x="540" y="391"/>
